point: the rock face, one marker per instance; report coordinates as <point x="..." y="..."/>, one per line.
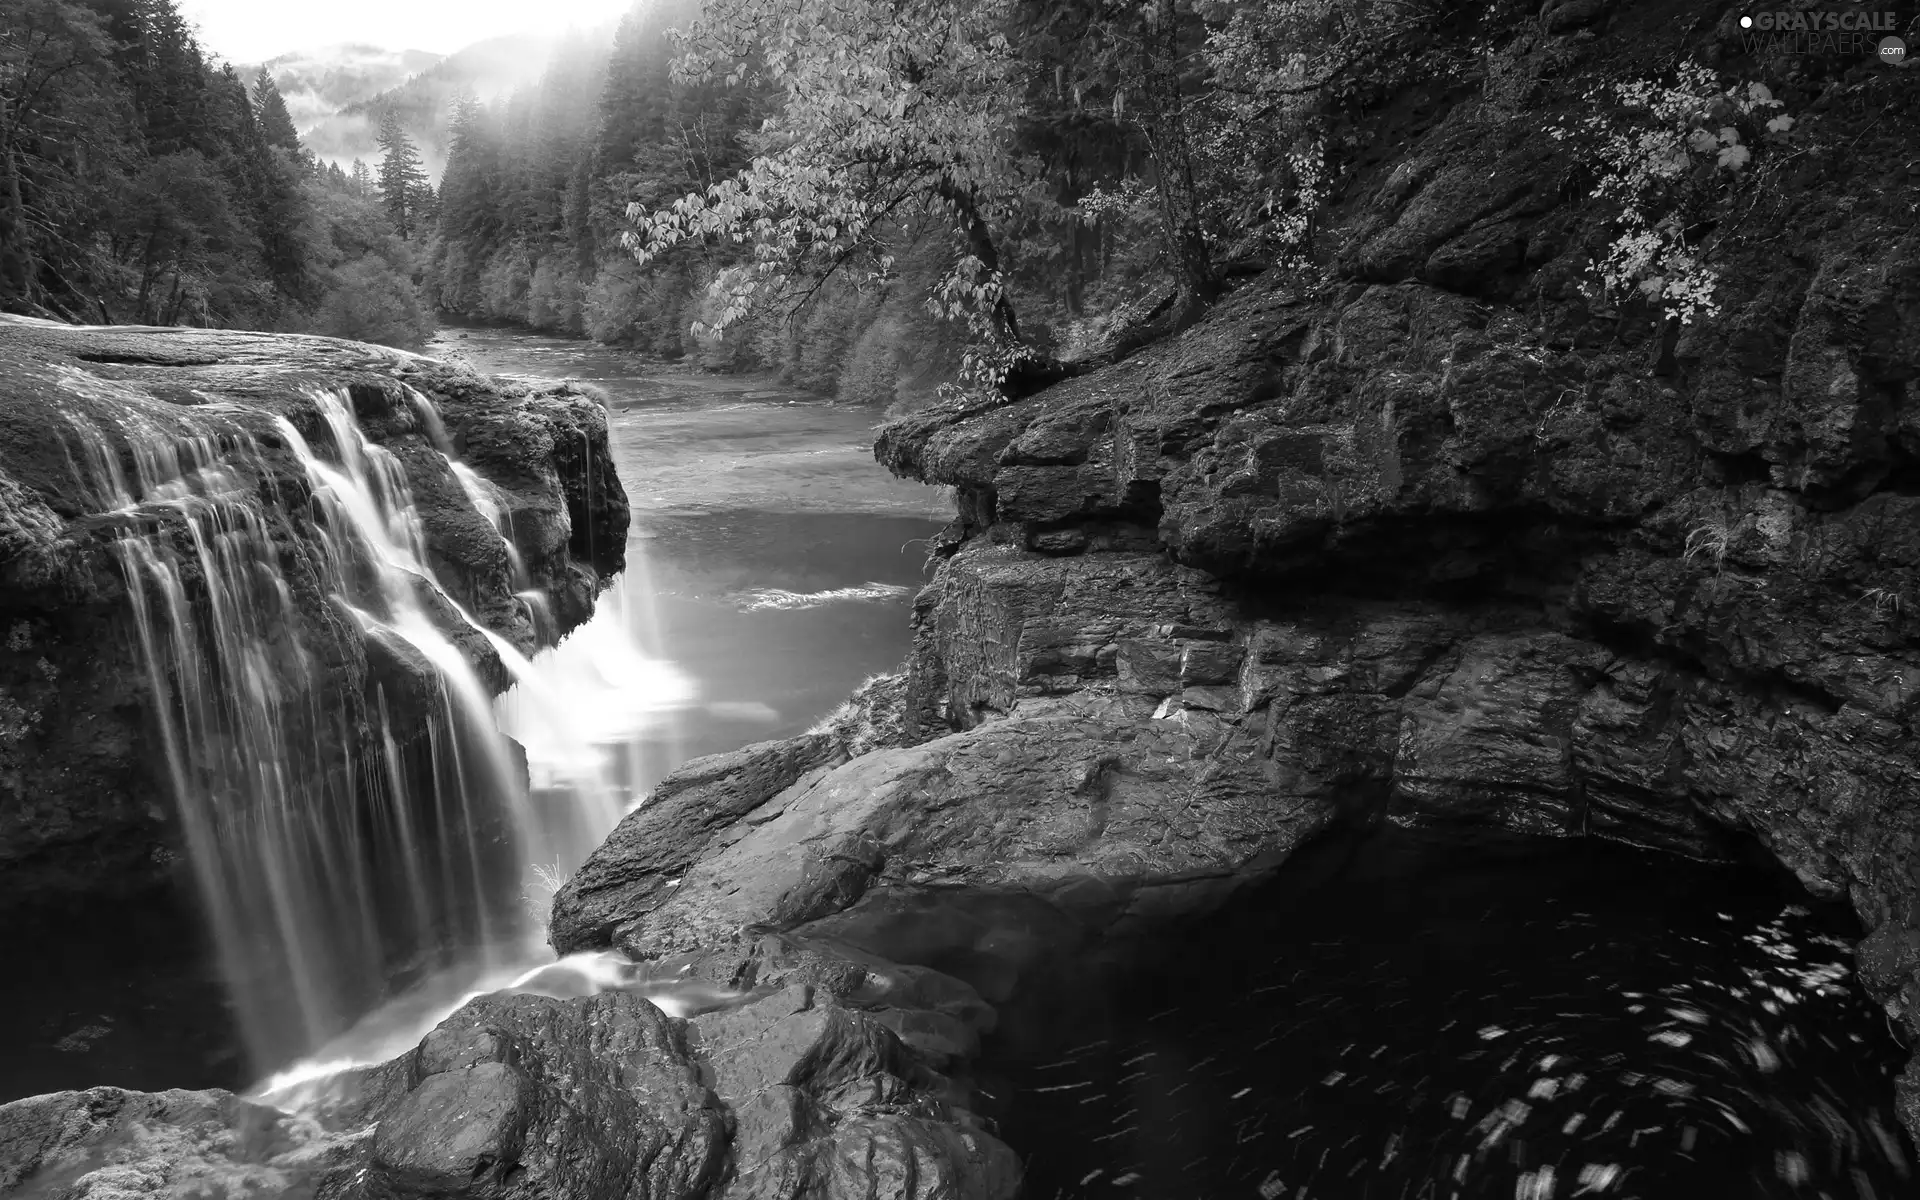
<point x="1434" y="537"/>
<point x="84" y="803"/>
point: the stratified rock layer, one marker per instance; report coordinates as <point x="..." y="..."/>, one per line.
<point x="84" y="804"/>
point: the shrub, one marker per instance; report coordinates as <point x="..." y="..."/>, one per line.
<point x="369" y="301"/>
<point x="1666" y="154"/>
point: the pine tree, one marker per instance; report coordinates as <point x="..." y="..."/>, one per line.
<point x="468" y="210"/>
<point x="401" y="176"/>
<point x="360" y="182"/>
<point x="424" y="206"/>
<point x="276" y="123"/>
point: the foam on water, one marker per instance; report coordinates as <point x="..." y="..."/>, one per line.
<point x="764" y="599"/>
<point x="394" y="1028"/>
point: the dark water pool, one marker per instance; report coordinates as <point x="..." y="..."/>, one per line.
<point x="1413" y="1018"/>
<point x="120" y="993"/>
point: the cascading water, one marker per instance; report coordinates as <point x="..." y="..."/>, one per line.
<point x="333" y="838"/>
<point x="584" y="712"/>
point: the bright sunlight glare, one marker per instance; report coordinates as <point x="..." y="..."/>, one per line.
<point x="253" y="31"/>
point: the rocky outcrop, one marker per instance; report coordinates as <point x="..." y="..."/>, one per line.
<point x="84" y="804"/>
<point x="1435" y="536"/>
<point x="789" y="1097"/>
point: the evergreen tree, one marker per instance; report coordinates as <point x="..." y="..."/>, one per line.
<point x="401" y="176"/>
<point x="425" y="206"/>
<point x="360" y="182"/>
<point x="276" y="123"/>
<point x="468" y="205"/>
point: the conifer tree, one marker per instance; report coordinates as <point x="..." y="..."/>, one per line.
<point x="401" y="176"/>
<point x="360" y="180"/>
<point x="276" y="123"/>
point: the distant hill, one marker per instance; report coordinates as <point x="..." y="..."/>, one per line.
<point x="491" y="69"/>
<point x="316" y="84"/>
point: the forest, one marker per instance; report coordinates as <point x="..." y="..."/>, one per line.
<point x="873" y="197"/>
<point x="146" y="183"/>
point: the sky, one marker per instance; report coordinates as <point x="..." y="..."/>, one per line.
<point x="255" y="30"/>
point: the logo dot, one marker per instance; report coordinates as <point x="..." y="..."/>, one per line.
<point x="1892" y="51"/>
<point x="1746" y="22"/>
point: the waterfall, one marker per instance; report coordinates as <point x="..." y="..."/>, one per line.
<point x="335" y="839"/>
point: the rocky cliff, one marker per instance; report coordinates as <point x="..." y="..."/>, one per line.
<point x="1443" y="532"/>
<point x="84" y="800"/>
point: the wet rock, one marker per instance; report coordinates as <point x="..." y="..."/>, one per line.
<point x="459" y="1130"/>
<point x="1059" y="791"/>
<point x="106" y="1143"/>
<point x="646" y="857"/>
<point x="529" y="1096"/>
<point x="830" y="1105"/>
<point x="786" y="1041"/>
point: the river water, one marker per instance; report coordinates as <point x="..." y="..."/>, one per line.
<point x="771" y="569"/>
<point x="771" y="561"/>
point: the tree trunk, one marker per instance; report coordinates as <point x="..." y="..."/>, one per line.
<point x="16" y="256"/>
<point x="1164" y="123"/>
<point x="980" y="242"/>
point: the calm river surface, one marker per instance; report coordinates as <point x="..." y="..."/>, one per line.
<point x="778" y="559"/>
<point x="772" y="564"/>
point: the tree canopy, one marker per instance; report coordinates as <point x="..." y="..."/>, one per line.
<point x="1013" y="124"/>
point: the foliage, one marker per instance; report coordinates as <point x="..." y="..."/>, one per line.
<point x="1667" y="153"/>
<point x="1058" y="152"/>
<point x="372" y="302"/>
<point x="890" y="108"/>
